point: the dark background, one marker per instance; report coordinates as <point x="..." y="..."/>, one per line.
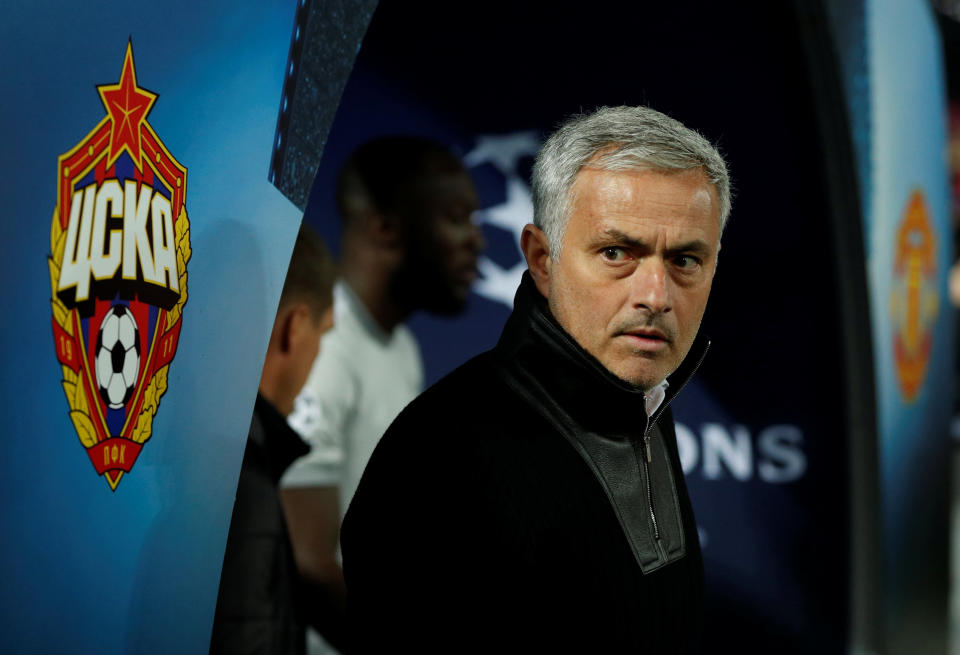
<point x="776" y="553"/>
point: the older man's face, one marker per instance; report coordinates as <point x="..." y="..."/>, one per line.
<point x="636" y="268"/>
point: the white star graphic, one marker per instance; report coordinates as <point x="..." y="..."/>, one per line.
<point x="504" y="151"/>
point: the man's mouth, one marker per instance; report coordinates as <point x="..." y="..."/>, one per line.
<point x="646" y="338"/>
<point x="467" y="274"/>
<point x="648" y="333"/>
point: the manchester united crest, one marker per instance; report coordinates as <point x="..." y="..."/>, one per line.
<point x="119" y="247"/>
<point x="913" y="300"/>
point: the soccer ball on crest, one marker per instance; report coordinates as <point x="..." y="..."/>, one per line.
<point x="118" y="356"/>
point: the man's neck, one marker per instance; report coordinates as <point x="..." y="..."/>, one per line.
<point x="372" y="288"/>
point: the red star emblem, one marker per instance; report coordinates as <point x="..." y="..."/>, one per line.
<point x="128" y="106"/>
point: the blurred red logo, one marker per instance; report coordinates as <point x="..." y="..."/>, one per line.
<point x="913" y="298"/>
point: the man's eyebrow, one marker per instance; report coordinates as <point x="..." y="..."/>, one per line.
<point x="613" y="234"/>
<point x="698" y="246"/>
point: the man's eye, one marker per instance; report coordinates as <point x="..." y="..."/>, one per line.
<point x="614" y="254"/>
<point x="686" y="262"/>
<point x="457" y="217"/>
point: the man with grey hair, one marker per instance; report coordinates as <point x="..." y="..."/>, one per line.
<point x="533" y="500"/>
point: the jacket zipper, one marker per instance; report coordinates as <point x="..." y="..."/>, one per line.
<point x="646" y="441"/>
<point x="646" y="472"/>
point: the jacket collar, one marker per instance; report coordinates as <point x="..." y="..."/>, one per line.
<point x="277" y="440"/>
<point x="595" y="397"/>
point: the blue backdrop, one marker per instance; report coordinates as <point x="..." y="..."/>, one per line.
<point x="909" y="241"/>
<point x="86" y="568"/>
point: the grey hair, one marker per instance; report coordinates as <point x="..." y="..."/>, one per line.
<point x="617" y="138"/>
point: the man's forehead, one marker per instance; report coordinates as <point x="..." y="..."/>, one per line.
<point x="449" y="186"/>
<point x="599" y="177"/>
<point x="675" y="194"/>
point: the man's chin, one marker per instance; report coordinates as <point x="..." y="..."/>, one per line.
<point x="640" y="380"/>
<point x="448" y="304"/>
<point x="640" y="369"/>
<point x="423" y="289"/>
<point x="643" y="385"/>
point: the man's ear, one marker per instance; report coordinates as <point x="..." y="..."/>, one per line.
<point x="536" y="250"/>
<point x="291" y="325"/>
<point x="383" y="228"/>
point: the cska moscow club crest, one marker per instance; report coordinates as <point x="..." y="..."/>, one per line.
<point x="119" y="247"/>
<point x="913" y="298"/>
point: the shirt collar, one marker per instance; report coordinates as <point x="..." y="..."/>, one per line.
<point x="654" y="397"/>
<point x="270" y="433"/>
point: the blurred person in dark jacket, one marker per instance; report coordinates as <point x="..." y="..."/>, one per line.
<point x="263" y="603"/>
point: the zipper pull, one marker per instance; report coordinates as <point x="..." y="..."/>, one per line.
<point x="646" y="434"/>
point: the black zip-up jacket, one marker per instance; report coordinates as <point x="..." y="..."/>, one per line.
<point x="512" y="508"/>
<point x="256" y="605"/>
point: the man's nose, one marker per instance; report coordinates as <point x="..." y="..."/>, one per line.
<point x="650" y="286"/>
<point x="475" y="241"/>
